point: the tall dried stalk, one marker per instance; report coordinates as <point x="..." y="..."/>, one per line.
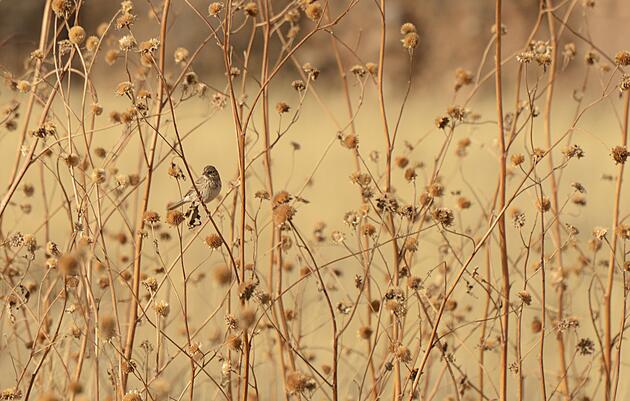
<point x="139" y="237"/>
<point x="503" y="253"/>
<point x="612" y="264"/>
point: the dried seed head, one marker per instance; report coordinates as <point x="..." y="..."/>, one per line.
<point x="543" y="204"/>
<point x="91" y="43"/>
<point x="407" y="27"/>
<point x="463" y="202"/>
<point x="125" y="20"/>
<point x="251" y="9"/>
<point x="214" y="241"/>
<point x="162" y="308"/>
<point x="536" y="325"/>
<point x="62" y="8"/>
<point x="517" y="159"/>
<point x="442" y="122"/>
<point x="283" y="214"/>
<point x="368" y="229"/>
<point x="350" y="141"/>
<point x="68" y="264"/>
<point x="620" y="154"/>
<point x="111" y="56"/>
<point x="215" y="8"/>
<point x="107" y="327"/>
<point x="132" y="395"/>
<point x="299" y="383"/>
<point x="127" y="43"/>
<point x="591" y="57"/>
<point x="314" y="11"/>
<point x="410" y="244"/>
<point x="281" y="198"/>
<point x="124" y="88"/>
<point x="298" y="85"/>
<point x="443" y="216"/>
<point x="622" y="58"/>
<point x="23" y="86"/>
<point x="76" y="35"/>
<point x="246" y="290"/>
<point x="247" y="318"/>
<point x="151" y="217"/>
<point x="403" y="354"/>
<point x="462" y="78"/>
<point x="365" y="332"/>
<point x="98" y="176"/>
<point x="174" y="217"/>
<point x="181" y="55"/>
<point x="282" y="107"/>
<point x="410" y="41"/>
<point x="11" y="393"/>
<point x="222" y="274"/>
<point x="525" y="297"/>
<point x="573" y="151"/>
<point x="233" y="342"/>
<point x="401" y="161"/>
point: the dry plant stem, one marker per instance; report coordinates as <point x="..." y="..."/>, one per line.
<point x="564" y="381"/>
<point x="363" y="240"/>
<point x="608" y="344"/>
<point x="34" y="83"/>
<point x="397" y="394"/>
<point x="275" y="234"/>
<point x="139" y="238"/>
<point x="505" y="271"/>
<point x="240" y="137"/>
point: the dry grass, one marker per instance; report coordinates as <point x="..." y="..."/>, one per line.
<point x="358" y="250"/>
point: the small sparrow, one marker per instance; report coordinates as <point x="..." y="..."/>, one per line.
<point x="209" y="186"/>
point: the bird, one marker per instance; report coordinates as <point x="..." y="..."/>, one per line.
<point x="208" y="184"/>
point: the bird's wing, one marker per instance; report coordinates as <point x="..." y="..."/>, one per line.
<point x="199" y="183"/>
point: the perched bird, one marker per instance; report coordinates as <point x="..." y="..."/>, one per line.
<point x="208" y="184"/>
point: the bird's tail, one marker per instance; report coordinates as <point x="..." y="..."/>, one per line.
<point x="175" y="205"/>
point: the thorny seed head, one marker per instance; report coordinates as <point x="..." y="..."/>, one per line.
<point x="151" y="217"/>
<point x="251" y="9"/>
<point x="174" y="217"/>
<point x="214" y="241"/>
<point x="622" y="58"/>
<point x="444" y="216"/>
<point x="222" y="274"/>
<point x="314" y="11"/>
<point x="620" y="154"/>
<point x="162" y="308"/>
<point x="181" y="55"/>
<point x="215" y="8"/>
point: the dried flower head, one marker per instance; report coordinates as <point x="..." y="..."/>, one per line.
<point x="222" y="274"/>
<point x="151" y="217"/>
<point x="127" y="43"/>
<point x="622" y="58"/>
<point x="314" y="10"/>
<point x="107" y="327"/>
<point x="174" y="217"/>
<point x="214" y="241"/>
<point x="133" y="395"/>
<point x="620" y="154"/>
<point x="251" y="9"/>
<point x="410" y="41"/>
<point x="283" y="214"/>
<point x="407" y="27"/>
<point x="282" y="107"/>
<point x="215" y="8"/>
<point x="299" y="383"/>
<point x="443" y="216"/>
<point x="162" y="308"/>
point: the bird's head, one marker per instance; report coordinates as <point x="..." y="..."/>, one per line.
<point x="210" y="171"/>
